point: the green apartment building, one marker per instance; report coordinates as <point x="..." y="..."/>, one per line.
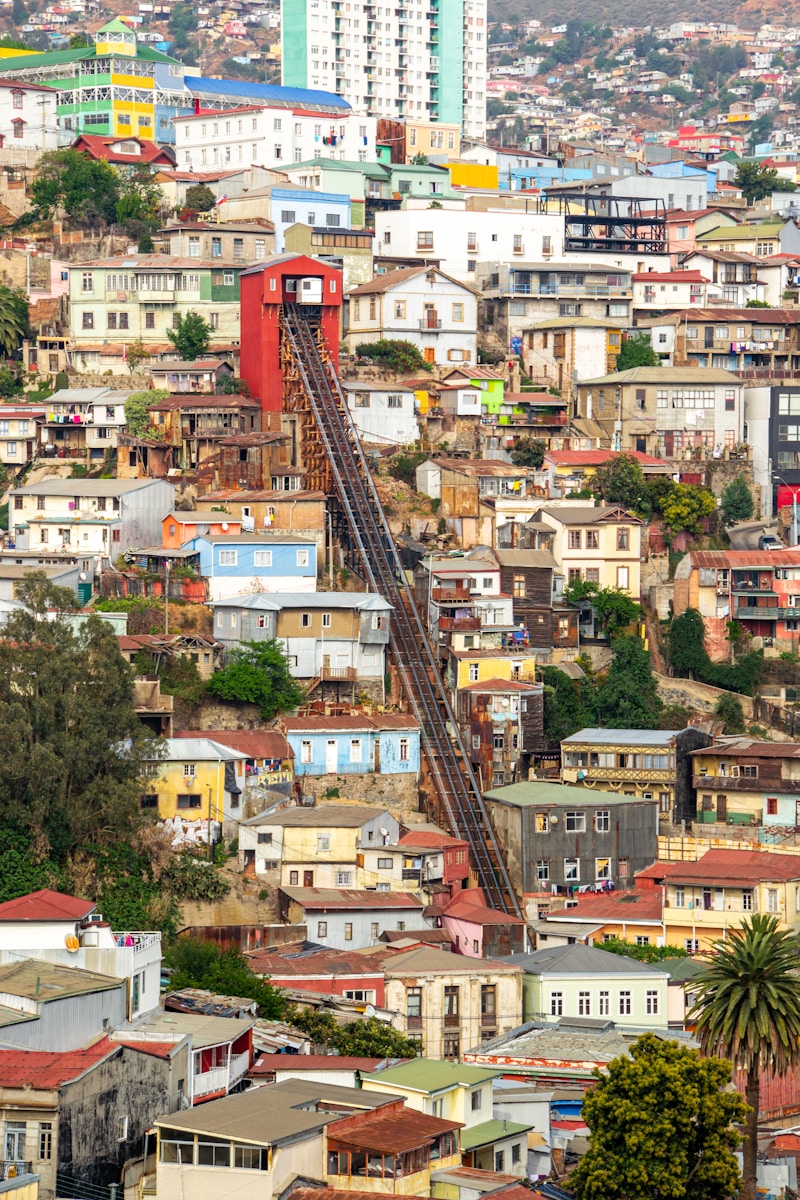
<point x="115" y="302"/>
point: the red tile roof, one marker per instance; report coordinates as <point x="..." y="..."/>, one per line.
<point x="595" y="458"/>
<point x="46" y="905"/>
<point x="429" y="837"/>
<point x="500" y="685"/>
<point x="470" y="905"/>
<point x="734" y="867"/>
<point x="97" y="146"/>
<point x="670" y="277"/>
<point x="356" y="722"/>
<point x="155" y="1049"/>
<point x="313" y="964"/>
<point x="745" y="558"/>
<point x="42" y="1069"/>
<point x="255" y="743"/>
<point x="638" y="904"/>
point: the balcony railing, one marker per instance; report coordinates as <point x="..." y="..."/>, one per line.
<point x="459" y="624"/>
<point x="413" y="1022"/>
<point x="12" y="1168"/>
<point x="430" y="323"/>
<point x="451" y="1020"/>
<point x="138" y="942"/>
<point x="600" y="291"/>
<point x="452" y="595"/>
<point x="209" y="1082"/>
<point x="341" y="673"/>
<point x="758" y="612"/>
<point x="238" y="1067"/>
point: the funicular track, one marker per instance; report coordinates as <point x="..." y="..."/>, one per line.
<point x="457" y="787"/>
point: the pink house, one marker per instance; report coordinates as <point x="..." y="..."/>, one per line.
<point x="480" y="932"/>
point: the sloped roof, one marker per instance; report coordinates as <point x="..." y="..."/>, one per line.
<point x="46" y="905"/>
<point x="431" y="1075"/>
<point x="577" y="959"/>
<point x="255" y="743"/>
<point x="322" y="816"/>
<point x="98" y="146"/>
<point x="591" y="458"/>
<point x="44" y="981"/>
<point x="634" y="905"/>
<point x="44" y="1070"/>
<point x="347" y="900"/>
<point x="425" y="961"/>
<point x="735" y="867"/>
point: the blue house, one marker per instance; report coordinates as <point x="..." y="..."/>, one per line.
<point x="292" y="205"/>
<point x="383" y="744"/>
<point x="253" y="562"/>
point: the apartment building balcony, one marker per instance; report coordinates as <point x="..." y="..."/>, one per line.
<point x="221" y="1079"/>
<point x="160" y="296"/>
<point x="430" y="324"/>
<point x="741" y="783"/>
<point x="571" y="291"/>
<point x="14" y="1168"/>
<point x="459" y="624"/>
<point x="759" y="612"/>
<point x="452" y="595"/>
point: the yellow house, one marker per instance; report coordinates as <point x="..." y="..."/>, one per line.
<point x="196" y="789"/>
<point x="702" y="900"/>
<point x="600" y="544"/>
<point x="479" y="666"/>
<point x="319" y="847"/>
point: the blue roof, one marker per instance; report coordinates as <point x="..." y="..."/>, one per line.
<point x="303" y="97"/>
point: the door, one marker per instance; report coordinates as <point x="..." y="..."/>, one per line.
<point x="308" y="878"/>
<point x="377" y="766"/>
<point x="429" y="354"/>
<point x="797" y="812"/>
<point x="331" y="756"/>
<point x="722" y="808"/>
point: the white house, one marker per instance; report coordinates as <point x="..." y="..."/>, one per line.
<point x="99" y="517"/>
<point x="272" y="136"/>
<point x="655" y="291"/>
<point x="459" y="239"/>
<point x="421" y="305"/>
<point x="56" y="928"/>
<point x="382" y="414"/>
<point x="27" y="116"/>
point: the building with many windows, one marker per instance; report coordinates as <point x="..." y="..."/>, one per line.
<point x="114" y="302"/>
<point x="423" y="61"/>
<point x="271" y="136"/>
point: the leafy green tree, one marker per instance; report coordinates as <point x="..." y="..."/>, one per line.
<point x="663" y="1127"/>
<point x="730" y="712"/>
<point x="137" y="418"/>
<point x="14" y="322"/>
<point x="137" y="354"/>
<point x="688" y="656"/>
<point x="76" y="751"/>
<point x="628" y="696"/>
<point x="200" y="964"/>
<point x="192" y="337"/>
<point x="528" y="452"/>
<point x="258" y="673"/>
<point x="86" y="190"/>
<point x="685" y="506"/>
<point x="200" y="198"/>
<point x="757" y="182"/>
<point x="12" y="43"/>
<point x="636" y="351"/>
<point x="736" y="501"/>
<point x="615" y="609"/>
<point x="19" y="13"/>
<point x="369" y="1038"/>
<point x="396" y="354"/>
<point x="569" y="705"/>
<point x="620" y="480"/>
<point x="645" y="954"/>
<point x="748" y="1010"/>
<point x="79" y="41"/>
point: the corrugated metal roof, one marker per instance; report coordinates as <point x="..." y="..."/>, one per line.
<point x="277" y="601"/>
<point x="737" y="867"/>
<point x="392" y="1133"/>
<point x="39" y="1069"/>
<point x="537" y="792"/>
<point x="431" y="1075"/>
<point x="46" y="905"/>
<point x="44" y="981"/>
<point x="200" y="85"/>
<point x="582" y="960"/>
<point x="621" y="737"/>
<point x="697" y="375"/>
<point x="634" y="905"/>
<point x="255" y="743"/>
<point x="347" y="900"/>
<point x="745" y="558"/>
<point x="323" y="816"/>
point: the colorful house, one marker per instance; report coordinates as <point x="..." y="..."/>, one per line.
<point x="741" y="781"/>
<point x="196" y="789"/>
<point x="109" y="88"/>
<point x="238" y="563"/>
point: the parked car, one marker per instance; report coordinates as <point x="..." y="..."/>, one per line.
<point x="768" y="541"/>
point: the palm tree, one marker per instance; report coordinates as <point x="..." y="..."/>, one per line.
<point x="748" y="1010"/>
<point x="13" y="319"/>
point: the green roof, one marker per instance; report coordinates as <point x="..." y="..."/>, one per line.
<point x="115" y="26"/>
<point x="489" y="1132"/>
<point x="430" y="1075"/>
<point x="371" y="170"/>
<point x="731" y="233"/>
<point x="536" y="791"/>
<point x="55" y="58"/>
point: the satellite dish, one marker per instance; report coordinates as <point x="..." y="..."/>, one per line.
<point x="369" y="1011"/>
<point x="225" y="526"/>
<point x="384" y="832"/>
<point x="82" y="577"/>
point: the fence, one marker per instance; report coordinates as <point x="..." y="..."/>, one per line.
<point x="68" y="1188"/>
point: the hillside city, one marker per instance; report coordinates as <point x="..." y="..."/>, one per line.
<point x="399" y="602"/>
